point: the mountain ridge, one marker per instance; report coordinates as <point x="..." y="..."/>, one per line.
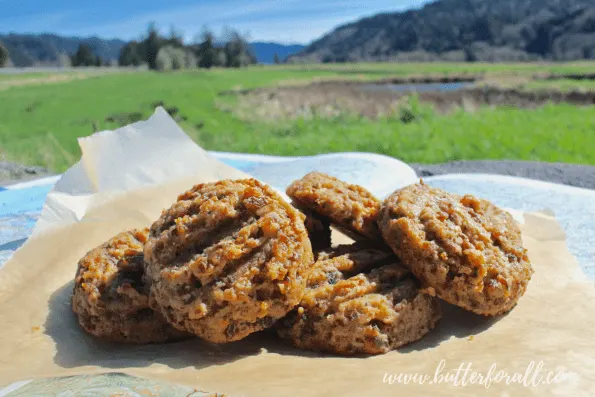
<point x="265" y="50"/>
<point x="48" y="49"/>
<point x="464" y="30"/>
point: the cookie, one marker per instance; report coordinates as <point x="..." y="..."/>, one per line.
<point x="318" y="227"/>
<point x="465" y="248"/>
<point x="110" y="298"/>
<point x="349" y="207"/>
<point x="228" y="259"/>
<point x="361" y="256"/>
<point x="347" y="312"/>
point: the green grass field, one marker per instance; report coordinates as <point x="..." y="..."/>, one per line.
<point x="39" y="124"/>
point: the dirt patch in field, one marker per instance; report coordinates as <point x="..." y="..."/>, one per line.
<point x="330" y="99"/>
<point x="492" y="96"/>
<point x="40" y="80"/>
<point x="584" y="76"/>
<point x="56" y="78"/>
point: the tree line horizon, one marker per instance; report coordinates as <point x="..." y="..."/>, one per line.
<point x="169" y="52"/>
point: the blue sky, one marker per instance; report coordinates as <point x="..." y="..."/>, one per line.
<point x="287" y="21"/>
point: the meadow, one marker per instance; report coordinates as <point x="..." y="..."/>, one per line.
<point x="40" y="122"/>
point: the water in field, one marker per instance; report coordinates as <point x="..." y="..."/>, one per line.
<point x="426" y="87"/>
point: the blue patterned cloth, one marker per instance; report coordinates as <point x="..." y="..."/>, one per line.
<point x="19" y="210"/>
<point x="574" y="208"/>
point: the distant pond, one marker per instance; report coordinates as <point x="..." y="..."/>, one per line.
<point x="424" y="87"/>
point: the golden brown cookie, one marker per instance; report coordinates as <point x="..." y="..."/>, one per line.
<point x="465" y="248"/>
<point x="227" y="259"/>
<point x="318" y="227"/>
<point x="350" y="207"/>
<point x="109" y="296"/>
<point x="347" y="312"/>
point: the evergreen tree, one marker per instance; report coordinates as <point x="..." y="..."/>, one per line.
<point x="175" y="39"/>
<point x="130" y="55"/>
<point x="152" y="44"/>
<point x="3" y="55"/>
<point x="206" y="50"/>
<point x="238" y="52"/>
<point x="84" y="56"/>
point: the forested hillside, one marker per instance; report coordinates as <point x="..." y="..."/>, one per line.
<point x="471" y="30"/>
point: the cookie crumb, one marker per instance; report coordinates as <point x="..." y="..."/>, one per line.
<point x="428" y="291"/>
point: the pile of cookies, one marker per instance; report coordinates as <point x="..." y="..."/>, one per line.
<point x="232" y="258"/>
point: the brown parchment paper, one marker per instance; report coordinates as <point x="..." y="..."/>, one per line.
<point x="39" y="337"/>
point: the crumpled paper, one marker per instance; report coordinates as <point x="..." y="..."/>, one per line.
<point x="140" y="155"/>
<point x="126" y="177"/>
